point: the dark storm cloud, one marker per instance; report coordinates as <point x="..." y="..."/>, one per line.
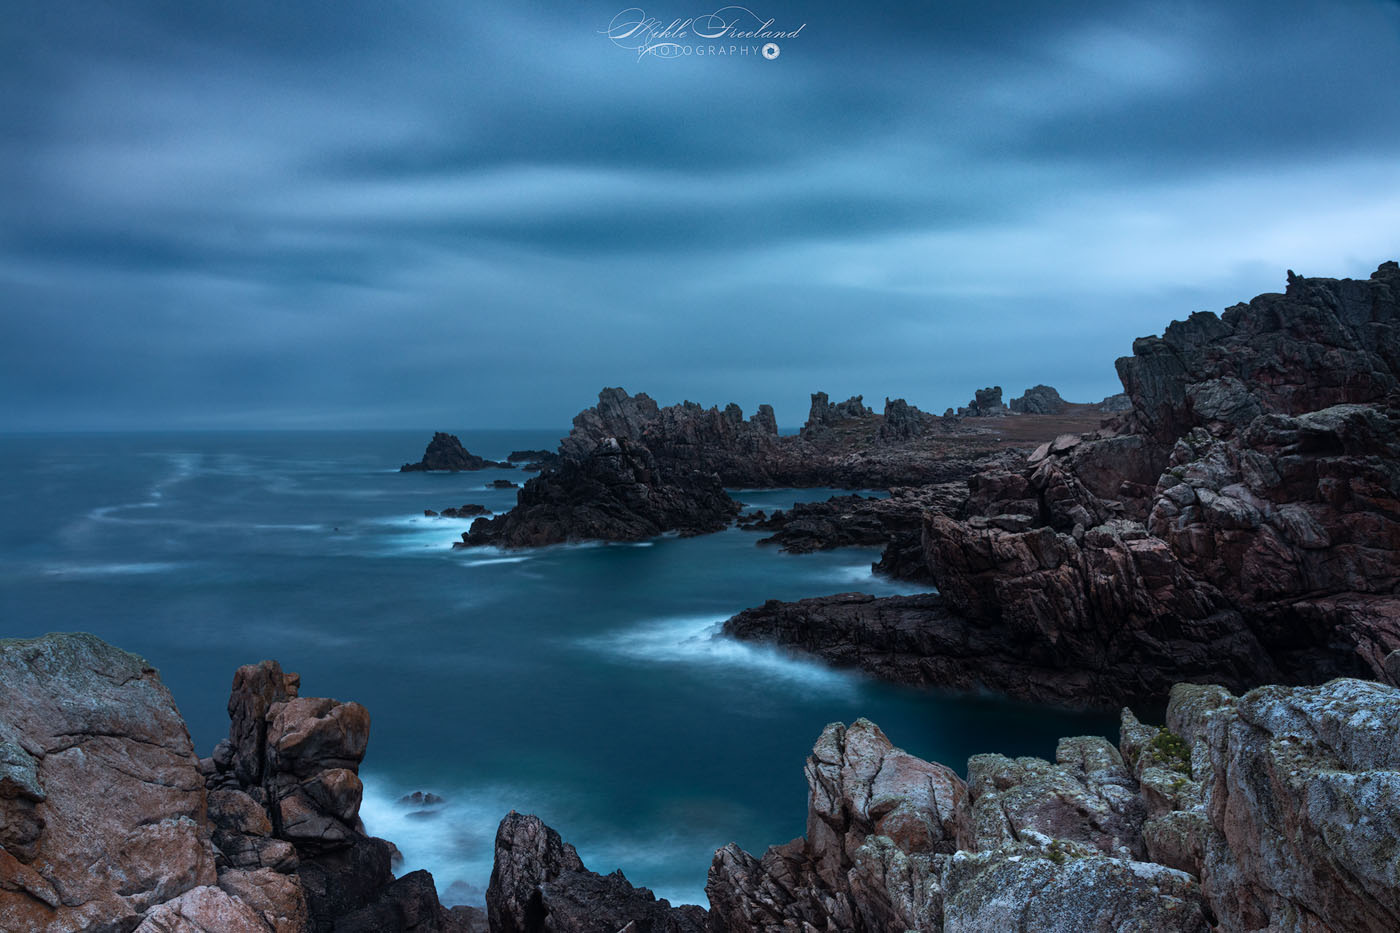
<point x="371" y="213"/>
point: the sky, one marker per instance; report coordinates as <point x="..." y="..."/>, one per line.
<point x="423" y="214"/>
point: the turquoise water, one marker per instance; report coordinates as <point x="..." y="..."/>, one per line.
<point x="582" y="683"/>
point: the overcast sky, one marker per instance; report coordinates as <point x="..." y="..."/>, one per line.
<point x="402" y="213"/>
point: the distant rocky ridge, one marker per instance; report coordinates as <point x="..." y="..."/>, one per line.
<point x="1278" y="809"/>
<point x="630" y="469"/>
<point x="1240" y="524"/>
<point x="445" y="452"/>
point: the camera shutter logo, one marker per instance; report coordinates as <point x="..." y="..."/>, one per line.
<point x="771" y="51"/>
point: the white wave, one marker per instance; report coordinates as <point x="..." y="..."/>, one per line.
<point x="110" y="570"/>
<point x="455" y="840"/>
<point x="486" y="562"/>
<point x="698" y="641"/>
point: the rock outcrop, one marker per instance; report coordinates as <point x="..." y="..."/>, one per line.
<point x="902" y="421"/>
<point x="102" y="805"/>
<point x="445" y="452"/>
<point x="539" y="883"/>
<point x="630" y="469"/>
<point x="827" y="414"/>
<point x="1323" y="342"/>
<point x="1039" y="400"/>
<point x="986" y="403"/>
<point x="108" y="820"/>
<point x="1259" y="545"/>
<point x="1276" y="810"/>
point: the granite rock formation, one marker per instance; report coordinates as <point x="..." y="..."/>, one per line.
<point x="1240" y="815"/>
<point x="109" y="821"/>
<point x="445" y="452"/>
<point x="1039" y="400"/>
<point x="78" y="716"/>
<point x="631" y="469"/>
<point x="1118" y="402"/>
<point x="1323" y="342"/>
<point x="1258" y="545"/>
<point x="618" y="492"/>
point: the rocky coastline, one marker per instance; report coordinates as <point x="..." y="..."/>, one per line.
<point x="1278" y="809"/>
<point x="1239" y="524"/>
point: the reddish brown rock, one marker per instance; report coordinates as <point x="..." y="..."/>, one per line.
<point x="77" y="714"/>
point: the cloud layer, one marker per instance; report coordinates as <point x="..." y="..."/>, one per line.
<point x="436" y="214"/>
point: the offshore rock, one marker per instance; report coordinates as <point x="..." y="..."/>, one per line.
<point x="618" y="492"/>
<point x="445" y="452"/>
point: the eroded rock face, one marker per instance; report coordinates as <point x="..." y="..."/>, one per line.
<point x="1259" y="546"/>
<point x="445" y="452"/>
<point x="1323" y="342"/>
<point x="284" y="800"/>
<point x="1304" y="801"/>
<point x="538" y="883"/>
<point x="618" y="492"/>
<point x="77" y="715"/>
<point x="896" y="843"/>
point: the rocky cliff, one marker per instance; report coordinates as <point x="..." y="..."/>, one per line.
<point x="1277" y="810"/>
<point x="1240" y="525"/>
<point x="110" y="822"/>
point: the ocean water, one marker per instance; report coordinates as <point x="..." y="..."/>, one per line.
<point x="585" y="684"/>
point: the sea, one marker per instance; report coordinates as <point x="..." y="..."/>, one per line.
<point x="587" y="684"/>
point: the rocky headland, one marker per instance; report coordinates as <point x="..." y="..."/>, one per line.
<point x="1276" y="810"/>
<point x="1239" y="524"/>
<point x="631" y="469"/>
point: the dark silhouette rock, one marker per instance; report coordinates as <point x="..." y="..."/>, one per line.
<point x="903" y="421"/>
<point x="470" y="510"/>
<point x="986" y="403"/>
<point x="1323" y="342"/>
<point x="539" y="883"/>
<point x="1039" y="400"/>
<point x="827" y="414"/>
<point x="445" y="452"/>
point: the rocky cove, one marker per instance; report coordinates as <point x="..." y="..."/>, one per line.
<point x="1278" y="809"/>
<point x="1225" y="545"/>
